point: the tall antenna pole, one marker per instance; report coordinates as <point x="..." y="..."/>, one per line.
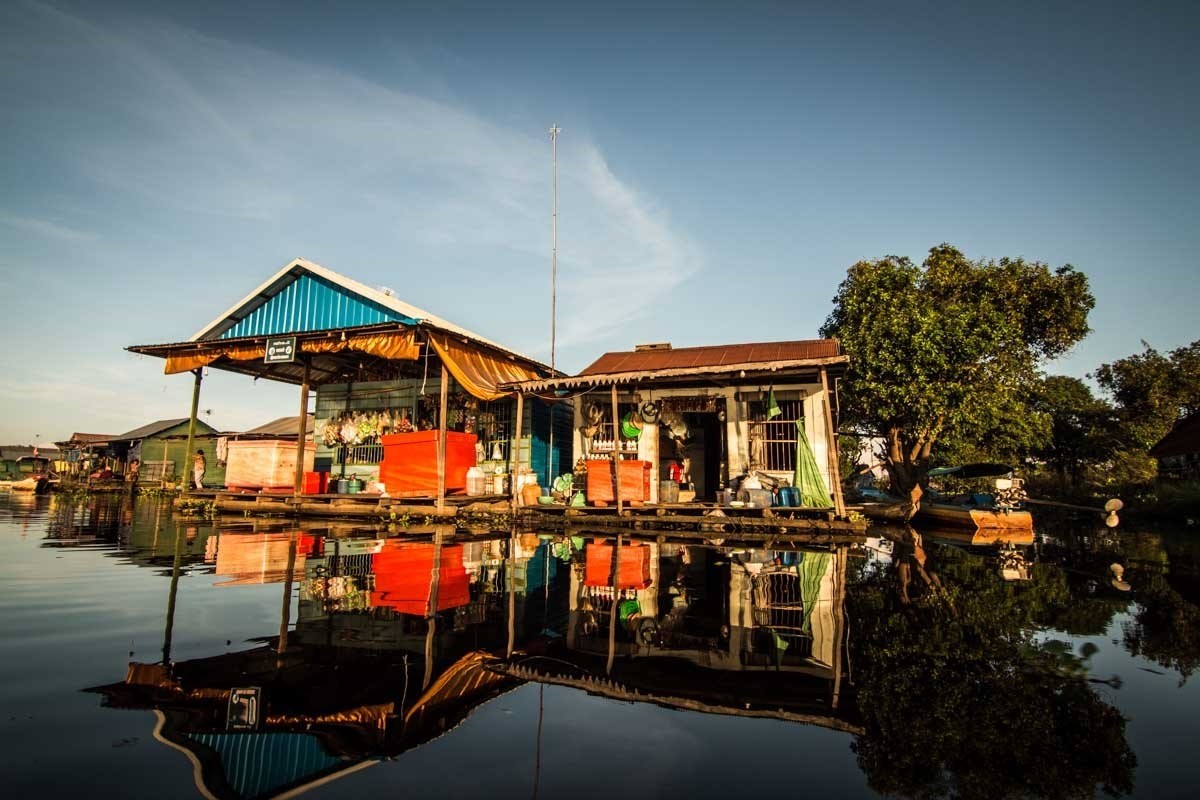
<point x="554" y="132"/>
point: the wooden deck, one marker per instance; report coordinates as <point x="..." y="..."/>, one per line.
<point x="697" y="518"/>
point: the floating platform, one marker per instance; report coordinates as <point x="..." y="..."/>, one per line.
<point x="705" y="518"/>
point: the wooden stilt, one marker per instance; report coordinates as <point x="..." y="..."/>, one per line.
<point x="839" y="616"/>
<point x="302" y="432"/>
<point x="171" y="594"/>
<point x="187" y="456"/>
<point x="831" y="447"/>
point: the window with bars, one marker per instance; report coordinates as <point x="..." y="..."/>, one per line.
<point x="773" y="441"/>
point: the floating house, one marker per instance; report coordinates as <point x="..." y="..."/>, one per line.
<point x="83" y="452"/>
<point x="20" y="461"/>
<point x="1178" y="453"/>
<point x="403" y="397"/>
<point x="704" y="418"/>
<point x="164" y="451"/>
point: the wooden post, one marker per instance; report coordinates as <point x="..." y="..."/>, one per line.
<point x="174" y="590"/>
<point x="615" y="581"/>
<point x="302" y="432"/>
<point x="285" y="613"/>
<point x="839" y="615"/>
<point x="441" y="442"/>
<point x="616" y="453"/>
<point x="187" y="455"/>
<point x="431" y="609"/>
<point x="162" y="478"/>
<point x="510" y="566"/>
<point x="831" y="447"/>
<point x="514" y="451"/>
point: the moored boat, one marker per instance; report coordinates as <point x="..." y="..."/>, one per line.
<point x="965" y="516"/>
<point x="36" y="483"/>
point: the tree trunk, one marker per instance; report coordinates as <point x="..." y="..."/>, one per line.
<point x="907" y="464"/>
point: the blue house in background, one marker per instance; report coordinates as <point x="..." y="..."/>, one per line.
<point x="379" y="365"/>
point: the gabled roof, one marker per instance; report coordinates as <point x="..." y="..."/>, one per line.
<point x="305" y="296"/>
<point x="1183" y="440"/>
<point x="158" y="427"/>
<point x="726" y="355"/>
<point x="87" y="438"/>
<point x="284" y="426"/>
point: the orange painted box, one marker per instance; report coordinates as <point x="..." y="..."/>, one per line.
<point x="409" y="466"/>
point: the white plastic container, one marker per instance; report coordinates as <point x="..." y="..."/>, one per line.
<point x="477" y="482"/>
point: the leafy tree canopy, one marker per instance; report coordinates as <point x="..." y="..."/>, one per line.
<point x="1152" y="391"/>
<point x="949" y="347"/>
<point x="1082" y="427"/>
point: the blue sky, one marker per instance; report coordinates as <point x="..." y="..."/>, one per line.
<point x="720" y="167"/>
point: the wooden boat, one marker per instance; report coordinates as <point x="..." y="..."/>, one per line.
<point x="37" y="483"/>
<point x="954" y="515"/>
<point x="980" y="537"/>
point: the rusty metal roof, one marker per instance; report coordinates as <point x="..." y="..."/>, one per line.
<point x="726" y="355"/>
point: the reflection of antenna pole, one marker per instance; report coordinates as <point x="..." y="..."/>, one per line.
<point x="554" y="132"/>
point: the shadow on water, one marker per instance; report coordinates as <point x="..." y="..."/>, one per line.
<point x="954" y="663"/>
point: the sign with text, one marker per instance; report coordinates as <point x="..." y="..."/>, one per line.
<point x="244" y="704"/>
<point x="281" y="351"/>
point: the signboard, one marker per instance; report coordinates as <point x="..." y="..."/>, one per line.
<point x="280" y="351"/>
<point x="242" y="714"/>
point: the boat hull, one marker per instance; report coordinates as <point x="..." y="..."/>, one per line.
<point x="946" y="515"/>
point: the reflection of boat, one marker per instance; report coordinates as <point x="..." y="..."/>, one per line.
<point x="981" y="537"/>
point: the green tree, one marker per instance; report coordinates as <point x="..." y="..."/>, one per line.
<point x="1082" y="427"/>
<point x="1152" y="391"/>
<point x="948" y="348"/>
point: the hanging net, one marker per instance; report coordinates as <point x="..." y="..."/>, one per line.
<point x="808" y="480"/>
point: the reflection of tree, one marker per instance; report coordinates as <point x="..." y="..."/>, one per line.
<point x="958" y="700"/>
<point x="1165" y="628"/>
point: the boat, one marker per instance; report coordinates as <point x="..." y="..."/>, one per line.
<point x="969" y="511"/>
<point x="35" y="483"/>
<point x="998" y="509"/>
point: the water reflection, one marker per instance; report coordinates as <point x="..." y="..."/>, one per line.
<point x="954" y="664"/>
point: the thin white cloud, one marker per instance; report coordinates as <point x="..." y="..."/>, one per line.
<point x="225" y="129"/>
<point x="45" y="227"/>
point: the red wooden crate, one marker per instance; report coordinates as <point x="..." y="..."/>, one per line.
<point x="633" y="571"/>
<point x="635" y="480"/>
<point x="600" y="481"/>
<point x="404" y="577"/>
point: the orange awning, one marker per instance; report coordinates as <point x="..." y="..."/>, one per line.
<point x="393" y="345"/>
<point x="476" y="371"/>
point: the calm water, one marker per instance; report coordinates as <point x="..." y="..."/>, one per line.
<point x="378" y="663"/>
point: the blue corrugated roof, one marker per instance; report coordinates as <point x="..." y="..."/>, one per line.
<point x="257" y="764"/>
<point x="311" y="303"/>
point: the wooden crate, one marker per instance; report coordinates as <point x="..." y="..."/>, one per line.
<point x="633" y="570"/>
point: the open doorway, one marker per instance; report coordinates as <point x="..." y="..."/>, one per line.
<point x="701" y="455"/>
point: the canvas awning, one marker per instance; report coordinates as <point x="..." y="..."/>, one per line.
<point x="479" y="372"/>
<point x="400" y="345"/>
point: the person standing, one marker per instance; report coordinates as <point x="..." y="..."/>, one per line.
<point x="198" y="465"/>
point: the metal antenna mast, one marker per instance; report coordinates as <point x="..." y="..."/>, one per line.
<point x="554" y="132"/>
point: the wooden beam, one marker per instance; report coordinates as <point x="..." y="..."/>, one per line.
<point x="431" y="609"/>
<point x="285" y="612"/>
<point x="510" y="565"/>
<point x="614" y="580"/>
<point x="302" y="432"/>
<point x="831" y="447"/>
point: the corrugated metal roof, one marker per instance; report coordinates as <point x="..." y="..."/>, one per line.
<point x="284" y="426"/>
<point x="727" y="355"/>
<point x="310" y="303"/>
<point x="88" y="438"/>
<point x="300" y="266"/>
<point x="1183" y="440"/>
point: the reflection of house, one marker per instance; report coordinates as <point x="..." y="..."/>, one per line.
<point x="1178" y="452"/>
<point x="379" y="366"/>
<point x="728" y="409"/>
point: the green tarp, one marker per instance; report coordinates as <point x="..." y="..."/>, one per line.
<point x="808" y="480"/>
